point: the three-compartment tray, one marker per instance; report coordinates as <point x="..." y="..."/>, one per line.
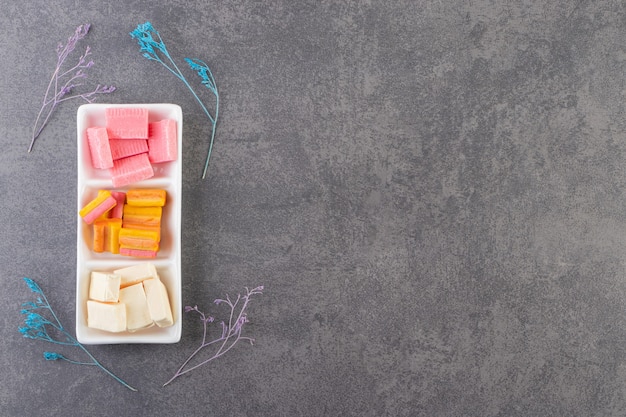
<point x="168" y="176"/>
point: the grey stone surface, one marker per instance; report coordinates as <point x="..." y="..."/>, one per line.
<point x="432" y="193"/>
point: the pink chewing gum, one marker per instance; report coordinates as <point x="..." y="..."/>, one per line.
<point x="121" y="148"/>
<point x="162" y="141"/>
<point x="102" y="203"/>
<point x="131" y="169"/>
<point x="99" y="149"/>
<point x="118" y="210"/>
<point x="127" y="123"/>
<point x="138" y="253"/>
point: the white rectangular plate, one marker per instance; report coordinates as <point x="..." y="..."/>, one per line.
<point x="167" y="176"/>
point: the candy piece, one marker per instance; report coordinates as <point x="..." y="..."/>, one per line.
<point x="132" y="275"/>
<point x="140" y="245"/>
<point x="99" y="148"/>
<point x="137" y="314"/>
<point x="112" y="236"/>
<point x="107" y="232"/>
<point x="96" y="207"/>
<point x="162" y="141"/>
<point x="146" y="197"/>
<point x="121" y="148"/>
<point x="118" y="210"/>
<point x="104" y="287"/>
<point x="158" y="302"/>
<point x="138" y="253"/>
<point x="131" y="169"/>
<point x="127" y="123"/>
<point x="148" y="216"/>
<point x="139" y="226"/>
<point x="138" y="239"/>
<point x="98" y="236"/>
<point x="106" y="214"/>
<point x="106" y="316"/>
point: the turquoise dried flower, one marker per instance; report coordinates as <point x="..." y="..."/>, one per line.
<point x="39" y="327"/>
<point x="153" y="48"/>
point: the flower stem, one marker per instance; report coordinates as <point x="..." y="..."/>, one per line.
<point x="37" y="329"/>
<point x="231" y="332"/>
<point x="208" y="156"/>
<point x="95" y="361"/>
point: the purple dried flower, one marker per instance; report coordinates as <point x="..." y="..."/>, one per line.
<point x="231" y="331"/>
<point x="60" y="84"/>
<point x="65" y="90"/>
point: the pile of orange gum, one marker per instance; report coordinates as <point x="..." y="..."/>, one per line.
<point x="126" y="223"/>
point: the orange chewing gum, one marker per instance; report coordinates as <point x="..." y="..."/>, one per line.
<point x="148" y="197"/>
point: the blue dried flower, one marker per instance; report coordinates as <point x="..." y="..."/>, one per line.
<point x="145" y="35"/>
<point x="153" y="48"/>
<point x="35" y="321"/>
<point x="52" y="356"/>
<point x="32" y="285"/>
<point x="28" y="306"/>
<point x="39" y="327"/>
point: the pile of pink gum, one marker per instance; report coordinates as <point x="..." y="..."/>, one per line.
<point x="128" y="144"/>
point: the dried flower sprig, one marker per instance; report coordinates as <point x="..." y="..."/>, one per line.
<point x="154" y="49"/>
<point x="63" y="82"/>
<point x="231" y="331"/>
<point x="204" y="72"/>
<point x="46" y="326"/>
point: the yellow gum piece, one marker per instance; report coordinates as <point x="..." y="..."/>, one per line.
<point x="107" y="232"/>
<point x="140" y="226"/>
<point x="100" y="198"/>
<point x="152" y="247"/>
<point x="150" y="216"/>
<point x="146" y="197"/>
<point x="98" y="236"/>
<point x="112" y="243"/>
<point x="139" y="239"/>
<point x="105" y="216"/>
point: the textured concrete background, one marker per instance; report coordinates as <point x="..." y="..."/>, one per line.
<point x="432" y="193"/>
